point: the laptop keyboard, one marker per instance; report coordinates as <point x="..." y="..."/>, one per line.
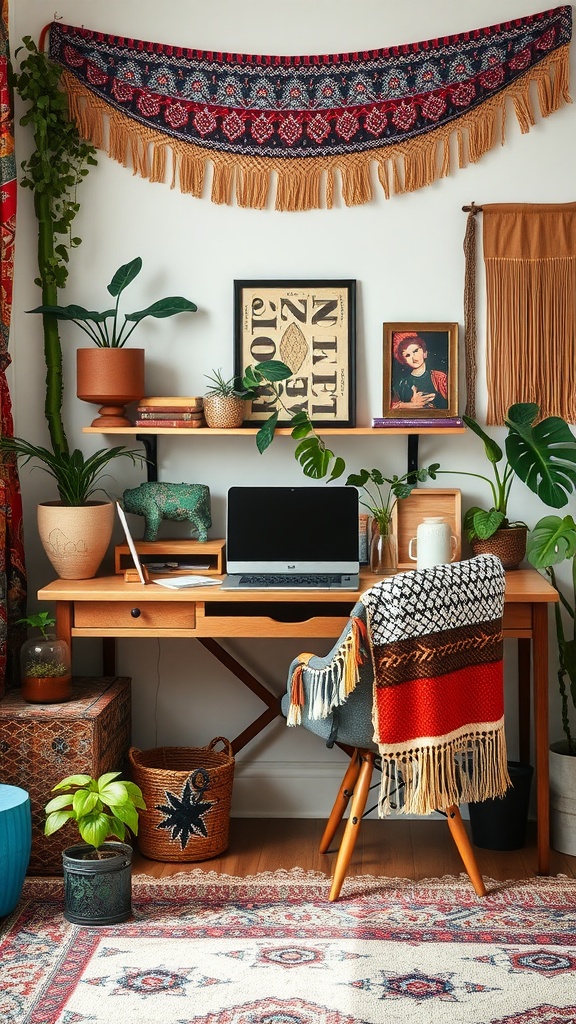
<point x="291" y="581"/>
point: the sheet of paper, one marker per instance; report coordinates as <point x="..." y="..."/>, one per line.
<point x="130" y="541"/>
<point x="177" y="582"/>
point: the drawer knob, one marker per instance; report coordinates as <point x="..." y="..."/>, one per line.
<point x="135" y="613"/>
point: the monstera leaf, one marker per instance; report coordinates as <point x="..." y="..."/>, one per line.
<point x="551" y="541"/>
<point x="542" y="456"/>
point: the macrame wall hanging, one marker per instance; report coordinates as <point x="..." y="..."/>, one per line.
<point x="299" y="124"/>
<point x="530" y="262"/>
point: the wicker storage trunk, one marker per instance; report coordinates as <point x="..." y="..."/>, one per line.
<point x="40" y="744"/>
<point x="188" y="792"/>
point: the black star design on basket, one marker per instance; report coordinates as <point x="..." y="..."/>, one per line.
<point x="184" y="813"/>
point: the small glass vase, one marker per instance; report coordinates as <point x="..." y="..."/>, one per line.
<point x="383" y="549"/>
<point x="45" y="670"/>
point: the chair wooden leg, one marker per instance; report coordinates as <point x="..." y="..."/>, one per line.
<point x="340" y="804"/>
<point x="460" y="837"/>
<point x="353" y="824"/>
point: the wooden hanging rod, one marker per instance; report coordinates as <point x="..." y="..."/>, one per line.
<point x="472" y="208"/>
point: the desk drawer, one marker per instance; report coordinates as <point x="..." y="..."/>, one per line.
<point x="517" y="616"/>
<point x="123" y="615"/>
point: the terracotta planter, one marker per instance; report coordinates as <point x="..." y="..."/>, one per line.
<point x="509" y="544"/>
<point x="110" y="377"/>
<point x="224" y="411"/>
<point x="76" y="538"/>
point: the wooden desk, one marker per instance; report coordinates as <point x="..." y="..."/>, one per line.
<point x="107" y="607"/>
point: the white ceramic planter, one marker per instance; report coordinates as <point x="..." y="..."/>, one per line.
<point x="562" y="799"/>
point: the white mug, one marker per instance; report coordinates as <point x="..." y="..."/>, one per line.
<point x="434" y="543"/>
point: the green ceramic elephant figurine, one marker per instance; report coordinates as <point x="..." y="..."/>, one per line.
<point x="178" y="502"/>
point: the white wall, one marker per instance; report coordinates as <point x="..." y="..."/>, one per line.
<point x="405" y="253"/>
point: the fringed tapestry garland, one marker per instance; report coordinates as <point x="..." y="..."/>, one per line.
<point x="310" y="119"/>
<point x="530" y="261"/>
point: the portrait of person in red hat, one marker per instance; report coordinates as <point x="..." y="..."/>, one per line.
<point x="416" y="384"/>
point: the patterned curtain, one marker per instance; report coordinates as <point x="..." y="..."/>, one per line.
<point x="12" y="566"/>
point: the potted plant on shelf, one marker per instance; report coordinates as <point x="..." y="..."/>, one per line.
<point x="550" y="543"/>
<point x="76" y="530"/>
<point x="45" y="663"/>
<point x="97" y="872"/>
<point x="110" y="374"/>
<point x="224" y="401"/>
<point x="382" y="542"/>
<point x="542" y="455"/>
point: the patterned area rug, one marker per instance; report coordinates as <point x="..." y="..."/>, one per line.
<point x="204" y="948"/>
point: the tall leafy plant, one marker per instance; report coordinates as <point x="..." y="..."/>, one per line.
<point x="60" y="160"/>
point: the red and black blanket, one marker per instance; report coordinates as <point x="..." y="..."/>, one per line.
<point x="435" y="639"/>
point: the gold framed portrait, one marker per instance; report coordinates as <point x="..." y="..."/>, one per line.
<point x="420" y="371"/>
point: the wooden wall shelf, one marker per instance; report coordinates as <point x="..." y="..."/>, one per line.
<point x="285" y="431"/>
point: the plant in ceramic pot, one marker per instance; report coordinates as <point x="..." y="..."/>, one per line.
<point x="542" y="455"/>
<point x="76" y="530"/>
<point x="97" y="872"/>
<point x="109" y="374"/>
<point x="45" y="663"/>
<point x="551" y="543"/>
<point x="380" y="502"/>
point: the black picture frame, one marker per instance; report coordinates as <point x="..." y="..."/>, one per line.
<point x="311" y="326"/>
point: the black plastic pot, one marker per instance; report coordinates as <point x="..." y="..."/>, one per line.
<point x="97" y="891"/>
<point x="500" y="824"/>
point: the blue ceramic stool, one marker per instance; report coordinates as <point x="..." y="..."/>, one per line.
<point x="15" y="844"/>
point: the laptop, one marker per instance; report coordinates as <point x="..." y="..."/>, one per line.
<point x="292" y="538"/>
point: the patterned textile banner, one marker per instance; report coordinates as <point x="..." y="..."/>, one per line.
<point x="311" y="118"/>
<point x="12" y="567"/>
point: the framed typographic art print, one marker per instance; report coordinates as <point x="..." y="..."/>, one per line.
<point x="310" y="326"/>
<point x="420" y="371"/>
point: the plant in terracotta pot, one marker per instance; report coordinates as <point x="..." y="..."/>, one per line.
<point x="45" y="663"/>
<point x="542" y="455"/>
<point x="97" y="872"/>
<point x="551" y="543"/>
<point x="76" y="530"/>
<point x="109" y="374"/>
<point x="380" y="503"/>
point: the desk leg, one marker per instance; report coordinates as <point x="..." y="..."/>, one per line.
<point x="524" y="661"/>
<point x="540" y="661"/>
<point x="64" y="622"/>
<point x="253" y="684"/>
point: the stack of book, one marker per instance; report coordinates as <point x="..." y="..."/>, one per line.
<point x="178" y="411"/>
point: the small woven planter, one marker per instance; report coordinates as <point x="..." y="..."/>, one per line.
<point x="188" y="793"/>
<point x="508" y="543"/>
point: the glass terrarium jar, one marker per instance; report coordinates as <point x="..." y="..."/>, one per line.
<point x="45" y="670"/>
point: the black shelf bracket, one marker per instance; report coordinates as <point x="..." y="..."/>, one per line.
<point x="413" y="453"/>
<point x="150" y="442"/>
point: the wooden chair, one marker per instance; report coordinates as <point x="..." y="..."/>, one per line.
<point x="350" y="726"/>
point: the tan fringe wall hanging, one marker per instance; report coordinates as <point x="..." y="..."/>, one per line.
<point x="303" y="125"/>
<point x="530" y="261"/>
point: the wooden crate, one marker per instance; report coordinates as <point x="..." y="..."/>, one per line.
<point x="40" y="744"/>
<point x="205" y="557"/>
<point x="423" y="502"/>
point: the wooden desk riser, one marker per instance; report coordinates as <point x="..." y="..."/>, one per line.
<point x="107" y="607"/>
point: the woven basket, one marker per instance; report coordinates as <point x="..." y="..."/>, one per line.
<point x="188" y="792"/>
<point x="508" y="543"/>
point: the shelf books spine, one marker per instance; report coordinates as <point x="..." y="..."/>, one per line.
<point x="166" y="414"/>
<point x="420" y="421"/>
<point x="172" y="422"/>
<point x="172" y="402"/>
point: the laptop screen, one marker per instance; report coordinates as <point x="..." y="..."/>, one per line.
<point x="292" y="529"/>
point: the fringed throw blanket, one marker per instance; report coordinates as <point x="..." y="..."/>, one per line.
<point x="309" y="118"/>
<point x="435" y="637"/>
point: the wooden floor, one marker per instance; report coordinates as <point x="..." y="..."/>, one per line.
<point x="398" y="849"/>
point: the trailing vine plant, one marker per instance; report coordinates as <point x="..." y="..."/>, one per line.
<point x="61" y="159"/>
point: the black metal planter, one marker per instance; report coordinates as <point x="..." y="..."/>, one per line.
<point x="500" y="824"/>
<point x="97" y="891"/>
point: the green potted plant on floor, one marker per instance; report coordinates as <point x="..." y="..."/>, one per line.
<point x="97" y="872"/>
<point x="551" y="543"/>
<point x="542" y="455"/>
